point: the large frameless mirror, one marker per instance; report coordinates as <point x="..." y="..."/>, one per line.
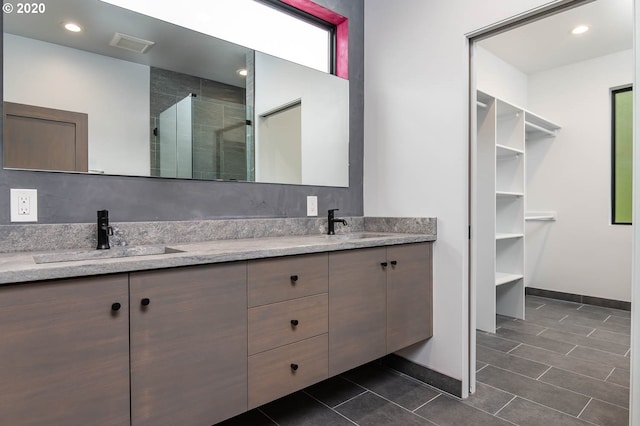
<point x="132" y="95"/>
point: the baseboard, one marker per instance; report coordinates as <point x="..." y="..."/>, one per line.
<point x="578" y="298"/>
<point x="423" y="374"/>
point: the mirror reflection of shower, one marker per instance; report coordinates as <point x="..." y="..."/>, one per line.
<point x="205" y="138"/>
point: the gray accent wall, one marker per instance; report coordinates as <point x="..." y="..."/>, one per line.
<point x="75" y="198"/>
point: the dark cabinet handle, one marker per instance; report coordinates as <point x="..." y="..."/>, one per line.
<point x="383" y="264"/>
<point x="145" y="301"/>
<point x="294" y="323"/>
<point x="294" y="367"/>
<point x="294" y="278"/>
<point x="116" y="306"/>
<point x="394" y="262"/>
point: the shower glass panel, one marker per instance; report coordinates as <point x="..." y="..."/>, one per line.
<point x="205" y="138"/>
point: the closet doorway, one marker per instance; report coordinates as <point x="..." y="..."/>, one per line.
<point x="541" y="161"/>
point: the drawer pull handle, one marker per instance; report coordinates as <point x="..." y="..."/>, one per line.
<point x="294" y="323"/>
<point x="394" y="262"/>
<point x="145" y="301"/>
<point x="383" y="264"/>
<point x="116" y="306"/>
<point x="294" y="278"/>
<point x="294" y="367"/>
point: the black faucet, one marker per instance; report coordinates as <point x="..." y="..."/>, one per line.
<point x="104" y="230"/>
<point x="333" y="220"/>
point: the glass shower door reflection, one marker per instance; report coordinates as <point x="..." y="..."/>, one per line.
<point x="175" y="134"/>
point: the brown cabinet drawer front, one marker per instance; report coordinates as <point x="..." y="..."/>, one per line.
<point x="272" y="374"/>
<point x="278" y="324"/>
<point x="286" y="278"/>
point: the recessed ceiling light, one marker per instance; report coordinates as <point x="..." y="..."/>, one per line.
<point x="580" y="29"/>
<point x="74" y="28"/>
<point x="242" y="72"/>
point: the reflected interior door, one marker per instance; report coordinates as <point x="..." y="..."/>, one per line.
<point x="279" y="145"/>
<point x="44" y="138"/>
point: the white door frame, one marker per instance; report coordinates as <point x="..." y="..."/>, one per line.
<point x="634" y="403"/>
<point x="548" y="9"/>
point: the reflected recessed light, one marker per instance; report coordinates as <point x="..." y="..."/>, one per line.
<point x="580" y="29"/>
<point x="74" y="28"/>
<point x="242" y="72"/>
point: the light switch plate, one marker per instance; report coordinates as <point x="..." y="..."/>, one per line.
<point x="24" y="205"/>
<point x="312" y="205"/>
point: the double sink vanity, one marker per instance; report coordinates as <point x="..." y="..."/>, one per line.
<point x="196" y="332"/>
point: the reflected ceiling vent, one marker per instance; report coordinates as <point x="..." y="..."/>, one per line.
<point x="131" y="43"/>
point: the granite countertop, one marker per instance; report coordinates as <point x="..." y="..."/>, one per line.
<point x="22" y="267"/>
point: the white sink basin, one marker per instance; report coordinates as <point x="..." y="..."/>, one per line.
<point x="70" y="256"/>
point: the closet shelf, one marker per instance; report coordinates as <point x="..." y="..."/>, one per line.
<point x="484" y="100"/>
<point x="503" y="151"/>
<point x="537" y="127"/>
<point x="506" y="236"/>
<point x="509" y="194"/>
<point x="540" y="218"/>
<point x="506" y="278"/>
<point x="549" y="216"/>
<point x="505" y="136"/>
<point x="534" y="128"/>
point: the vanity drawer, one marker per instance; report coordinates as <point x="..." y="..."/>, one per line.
<point x="286" y="278"/>
<point x="280" y="371"/>
<point x="279" y="324"/>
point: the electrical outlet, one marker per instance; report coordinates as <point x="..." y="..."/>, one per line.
<point x="312" y="205"/>
<point x="24" y="205"/>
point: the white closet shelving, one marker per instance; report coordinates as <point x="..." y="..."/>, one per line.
<point x="500" y="206"/>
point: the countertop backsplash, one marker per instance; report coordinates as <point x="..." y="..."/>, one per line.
<point x="48" y="237"/>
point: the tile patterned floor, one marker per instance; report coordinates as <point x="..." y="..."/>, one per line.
<point x="567" y="364"/>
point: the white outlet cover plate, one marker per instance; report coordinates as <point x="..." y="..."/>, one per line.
<point x="312" y="205"/>
<point x="32" y="197"/>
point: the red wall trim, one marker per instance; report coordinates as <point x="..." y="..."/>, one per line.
<point x="342" y="31"/>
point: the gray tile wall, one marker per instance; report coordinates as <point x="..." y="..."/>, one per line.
<point x="215" y="106"/>
<point x="69" y="198"/>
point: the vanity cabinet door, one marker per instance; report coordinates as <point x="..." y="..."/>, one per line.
<point x="357" y="308"/>
<point x="64" y="352"/>
<point x="409" y="295"/>
<point x="189" y="345"/>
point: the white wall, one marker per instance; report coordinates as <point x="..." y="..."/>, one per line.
<point x="581" y="252"/>
<point x="416" y="143"/>
<point x="114" y="93"/>
<point x="324" y="99"/>
<point x="500" y="79"/>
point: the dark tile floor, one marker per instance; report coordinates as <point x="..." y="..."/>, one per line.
<point x="567" y="364"/>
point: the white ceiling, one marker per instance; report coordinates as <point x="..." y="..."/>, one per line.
<point x="176" y="48"/>
<point x="548" y="43"/>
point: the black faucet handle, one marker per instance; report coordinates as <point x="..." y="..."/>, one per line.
<point x="104" y="230"/>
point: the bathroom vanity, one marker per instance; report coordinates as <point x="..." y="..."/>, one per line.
<point x="199" y="335"/>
